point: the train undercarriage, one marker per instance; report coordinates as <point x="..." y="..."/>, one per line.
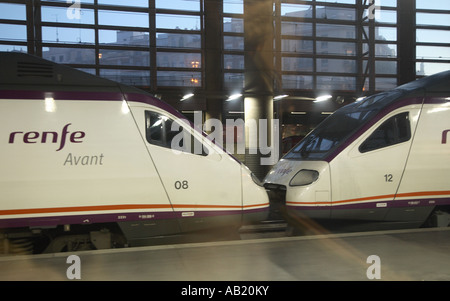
<point x="72" y="238"/>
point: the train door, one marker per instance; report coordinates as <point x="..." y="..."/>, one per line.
<point x="203" y="185"/>
<point x="370" y="172"/>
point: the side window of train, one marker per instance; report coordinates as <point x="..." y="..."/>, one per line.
<point x="395" y="130"/>
<point x="168" y="133"/>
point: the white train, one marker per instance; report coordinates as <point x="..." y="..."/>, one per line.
<point x="84" y="159"/>
<point x="382" y="161"/>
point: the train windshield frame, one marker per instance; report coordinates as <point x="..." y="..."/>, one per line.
<point x="339" y="127"/>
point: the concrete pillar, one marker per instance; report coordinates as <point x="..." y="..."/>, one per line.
<point x="213" y="59"/>
<point x="259" y="75"/>
<point x="406" y="20"/>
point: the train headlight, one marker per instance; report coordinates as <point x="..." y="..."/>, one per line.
<point x="304" y="177"/>
<point x="256" y="180"/>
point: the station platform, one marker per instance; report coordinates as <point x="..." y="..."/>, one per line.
<point x="398" y="255"/>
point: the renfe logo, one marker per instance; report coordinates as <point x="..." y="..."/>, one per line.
<point x="48" y="137"/>
<point x="444" y="136"/>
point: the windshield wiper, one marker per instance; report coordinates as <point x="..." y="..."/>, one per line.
<point x="303" y="151"/>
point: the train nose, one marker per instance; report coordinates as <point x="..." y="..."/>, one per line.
<point x="276" y="183"/>
<point x="281" y="174"/>
<point x="255" y="200"/>
<point x="283" y="181"/>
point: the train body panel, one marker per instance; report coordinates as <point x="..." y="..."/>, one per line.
<point x="386" y="156"/>
<point x="82" y="150"/>
<point x="85" y="157"/>
<point x="367" y="187"/>
<point x="426" y="179"/>
<point x="192" y="190"/>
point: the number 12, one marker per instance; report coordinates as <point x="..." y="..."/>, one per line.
<point x="388" y="177"/>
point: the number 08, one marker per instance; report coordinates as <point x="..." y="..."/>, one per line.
<point x="181" y="185"/>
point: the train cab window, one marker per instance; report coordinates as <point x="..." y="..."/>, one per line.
<point x="157" y="127"/>
<point x="395" y="130"/>
<point x="165" y="132"/>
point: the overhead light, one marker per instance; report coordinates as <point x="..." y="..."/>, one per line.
<point x="187" y="96"/>
<point x="233" y="97"/>
<point x="298" y="113"/>
<point x="323" y="98"/>
<point x="278" y="97"/>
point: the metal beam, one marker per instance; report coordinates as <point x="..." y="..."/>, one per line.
<point x="406" y="20"/>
